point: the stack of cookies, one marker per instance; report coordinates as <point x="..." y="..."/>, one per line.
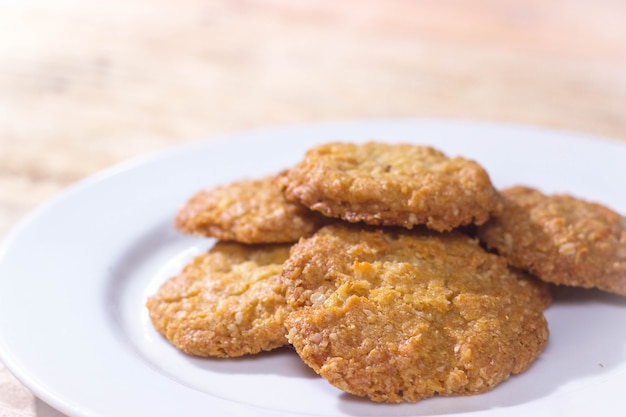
<point x="396" y="272"/>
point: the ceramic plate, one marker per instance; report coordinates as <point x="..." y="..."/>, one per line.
<point x="75" y="274"/>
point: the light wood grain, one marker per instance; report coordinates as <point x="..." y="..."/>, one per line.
<point x="86" y="84"/>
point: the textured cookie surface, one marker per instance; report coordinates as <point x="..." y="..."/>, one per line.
<point x="384" y="184"/>
<point x="227" y="302"/>
<point x="561" y="239"/>
<point x="404" y="315"/>
<point x="247" y="211"/>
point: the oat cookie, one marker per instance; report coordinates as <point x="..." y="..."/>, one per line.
<point x="561" y="239"/>
<point x="227" y="302"/>
<point x="247" y="211"/>
<point x="398" y="315"/>
<point x="384" y="184"/>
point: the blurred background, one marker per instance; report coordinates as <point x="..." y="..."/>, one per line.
<point x="86" y="84"/>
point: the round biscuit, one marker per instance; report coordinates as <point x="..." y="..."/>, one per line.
<point x="392" y="184"/>
<point x="227" y="302"/>
<point x="560" y="239"/>
<point x="405" y="315"/>
<point x="247" y="211"/>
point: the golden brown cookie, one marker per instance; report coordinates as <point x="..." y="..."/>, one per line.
<point x="384" y="184"/>
<point x="227" y="302"/>
<point x="561" y="239"/>
<point x="247" y="211"/>
<point x="404" y="315"/>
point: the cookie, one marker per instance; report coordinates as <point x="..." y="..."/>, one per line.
<point x="561" y="239"/>
<point x="247" y="211"/>
<point x="398" y="315"/>
<point x="397" y="185"/>
<point x="227" y="302"/>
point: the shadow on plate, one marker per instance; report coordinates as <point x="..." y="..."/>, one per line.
<point x="283" y="361"/>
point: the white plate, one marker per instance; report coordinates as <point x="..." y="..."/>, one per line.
<point x="74" y="276"/>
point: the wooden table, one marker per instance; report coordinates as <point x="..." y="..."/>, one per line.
<point x="86" y="84"/>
